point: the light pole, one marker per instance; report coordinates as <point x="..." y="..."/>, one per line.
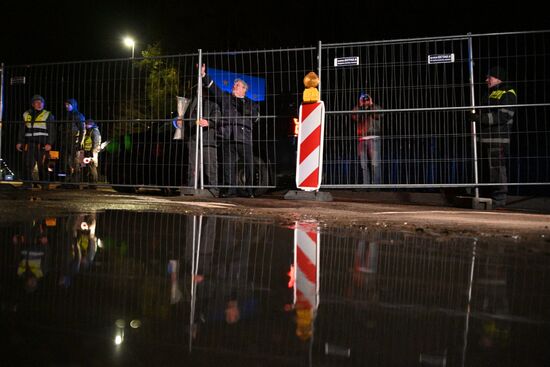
<point x="129" y="42"/>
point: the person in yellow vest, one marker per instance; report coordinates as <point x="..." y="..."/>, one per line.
<point x="33" y="246"/>
<point x="35" y="139"/>
<point x="88" y="157"/>
<point x="495" y="126"/>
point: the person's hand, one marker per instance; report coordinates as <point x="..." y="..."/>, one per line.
<point x="203" y="122"/>
<point x="179" y="122"/>
<point x="47" y="147"/>
<point x="472" y="116"/>
<point x="19" y="147"/>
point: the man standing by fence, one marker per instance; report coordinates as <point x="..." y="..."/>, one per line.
<point x="239" y="113"/>
<point x="495" y="126"/>
<point x="368" y="133"/>
<point x="35" y="139"/>
<point x="71" y="136"/>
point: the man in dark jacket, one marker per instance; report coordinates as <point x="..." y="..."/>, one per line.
<point x="239" y="113"/>
<point x="35" y="139"/>
<point x="71" y="136"/>
<point x="208" y="125"/>
<point x="494" y="134"/>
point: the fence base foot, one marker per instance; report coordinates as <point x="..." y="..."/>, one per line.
<point x="204" y="193"/>
<point x="308" y="195"/>
<point x="474" y="203"/>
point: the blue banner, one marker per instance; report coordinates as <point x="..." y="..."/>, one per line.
<point x="224" y="80"/>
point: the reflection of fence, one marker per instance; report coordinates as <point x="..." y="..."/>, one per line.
<point x="381" y="290"/>
<point x="422" y="89"/>
<point x="220" y="285"/>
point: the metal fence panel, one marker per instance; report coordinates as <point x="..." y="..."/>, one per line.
<point x="420" y="136"/>
<point x="422" y="90"/>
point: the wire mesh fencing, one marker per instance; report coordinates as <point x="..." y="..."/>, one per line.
<point x="410" y="113"/>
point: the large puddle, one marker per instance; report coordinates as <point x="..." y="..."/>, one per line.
<point x="152" y="289"/>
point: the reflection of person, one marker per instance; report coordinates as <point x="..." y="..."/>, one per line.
<point x="368" y="133"/>
<point x="495" y="126"/>
<point x="492" y="299"/>
<point x="211" y="114"/>
<point x="35" y="138"/>
<point x="84" y="236"/>
<point x="33" y="264"/>
<point x="88" y="156"/>
<point x="71" y="135"/>
<point x="238" y="115"/>
<point x="80" y="251"/>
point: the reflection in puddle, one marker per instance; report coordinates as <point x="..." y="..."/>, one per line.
<point x="135" y="288"/>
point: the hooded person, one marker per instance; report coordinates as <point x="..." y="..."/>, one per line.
<point x="71" y="137"/>
<point x="35" y="138"/>
<point x="88" y="156"/>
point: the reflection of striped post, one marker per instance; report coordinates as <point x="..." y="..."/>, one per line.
<point x="310" y="146"/>
<point x="306" y="286"/>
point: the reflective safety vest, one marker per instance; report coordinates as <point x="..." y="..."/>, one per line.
<point x="38" y="126"/>
<point x="88" y="142"/>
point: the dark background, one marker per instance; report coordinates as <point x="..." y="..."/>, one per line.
<point x="53" y="31"/>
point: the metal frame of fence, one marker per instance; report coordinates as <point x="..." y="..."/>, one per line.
<point x="422" y="88"/>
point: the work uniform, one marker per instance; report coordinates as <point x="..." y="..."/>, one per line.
<point x="37" y="130"/>
<point x="494" y="137"/>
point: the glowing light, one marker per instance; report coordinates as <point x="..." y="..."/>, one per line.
<point x="129" y="42"/>
<point x="296" y="126"/>
<point x="118" y="340"/>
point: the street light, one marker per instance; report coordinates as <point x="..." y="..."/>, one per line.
<point x="129" y="42"/>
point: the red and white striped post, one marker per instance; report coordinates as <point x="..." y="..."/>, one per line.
<point x="306" y="285"/>
<point x="310" y="146"/>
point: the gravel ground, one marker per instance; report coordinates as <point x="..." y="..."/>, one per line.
<point x="525" y="219"/>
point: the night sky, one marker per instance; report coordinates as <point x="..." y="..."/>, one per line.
<point x="55" y="31"/>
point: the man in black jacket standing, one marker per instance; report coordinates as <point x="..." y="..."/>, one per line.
<point x="239" y="113"/>
<point x="494" y="137"/>
<point x="208" y="124"/>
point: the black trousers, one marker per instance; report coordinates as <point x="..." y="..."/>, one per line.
<point x="237" y="155"/>
<point x="36" y="154"/>
<point x="494" y="158"/>
<point x="209" y="160"/>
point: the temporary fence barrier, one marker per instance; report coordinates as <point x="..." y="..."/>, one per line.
<point x="418" y="135"/>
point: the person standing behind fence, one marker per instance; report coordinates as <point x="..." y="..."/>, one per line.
<point x="71" y="136"/>
<point x="88" y="157"/>
<point x="494" y="137"/>
<point x="368" y="133"/>
<point x="211" y="114"/>
<point x="239" y="113"/>
<point x="35" y="139"/>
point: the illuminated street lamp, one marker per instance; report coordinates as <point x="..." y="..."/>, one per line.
<point x="129" y="42"/>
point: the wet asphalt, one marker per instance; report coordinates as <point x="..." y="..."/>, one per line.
<point x="525" y="219"/>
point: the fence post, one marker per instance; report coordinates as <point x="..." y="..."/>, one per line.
<point x="198" y="146"/>
<point x="319" y="65"/>
<point x="473" y="104"/>
<point x="1" y="106"/>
